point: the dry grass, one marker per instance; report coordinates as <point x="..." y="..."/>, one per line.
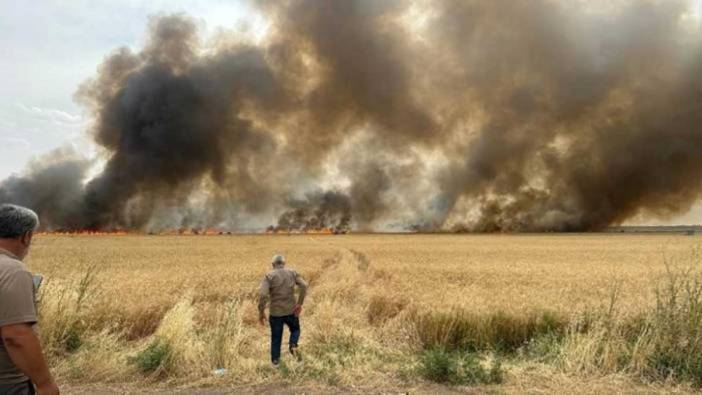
<point x="560" y="309"/>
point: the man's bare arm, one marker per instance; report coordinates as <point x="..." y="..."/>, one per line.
<point x="24" y="348"/>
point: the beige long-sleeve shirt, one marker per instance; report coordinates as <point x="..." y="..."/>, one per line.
<point x="278" y="286"/>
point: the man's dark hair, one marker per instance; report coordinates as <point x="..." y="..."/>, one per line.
<point x="16" y="221"/>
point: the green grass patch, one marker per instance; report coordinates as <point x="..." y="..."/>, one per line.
<point x="154" y="357"/>
<point x="455" y="367"/>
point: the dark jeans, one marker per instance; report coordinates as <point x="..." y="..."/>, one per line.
<point x="277" y="324"/>
<point x="26" y="388"/>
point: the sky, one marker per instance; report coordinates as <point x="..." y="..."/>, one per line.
<point x="48" y="47"/>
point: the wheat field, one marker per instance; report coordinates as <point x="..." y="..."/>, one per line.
<point x="586" y="313"/>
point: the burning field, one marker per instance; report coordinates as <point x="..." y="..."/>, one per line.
<point x="394" y="115"/>
<point x="359" y="117"/>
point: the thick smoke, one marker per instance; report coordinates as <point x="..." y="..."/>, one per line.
<point x="318" y="211"/>
<point x="478" y="115"/>
<point x="52" y="187"/>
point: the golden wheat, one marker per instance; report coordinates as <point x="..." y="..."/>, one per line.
<point x="375" y="302"/>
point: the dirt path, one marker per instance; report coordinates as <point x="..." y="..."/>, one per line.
<point x="268" y="389"/>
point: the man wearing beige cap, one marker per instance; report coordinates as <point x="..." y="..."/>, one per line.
<point x="279" y="286"/>
<point x="22" y="364"/>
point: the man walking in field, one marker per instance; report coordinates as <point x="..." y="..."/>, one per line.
<point x="22" y="364"/>
<point x="279" y="286"/>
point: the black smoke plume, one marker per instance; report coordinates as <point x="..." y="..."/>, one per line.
<point x="481" y="115"/>
<point x="318" y="211"/>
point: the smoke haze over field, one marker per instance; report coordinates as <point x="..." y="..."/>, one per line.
<point x="478" y="115"/>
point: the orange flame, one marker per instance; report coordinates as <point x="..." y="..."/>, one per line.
<point x="320" y="231"/>
<point x="84" y="233"/>
<point x="184" y="232"/>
